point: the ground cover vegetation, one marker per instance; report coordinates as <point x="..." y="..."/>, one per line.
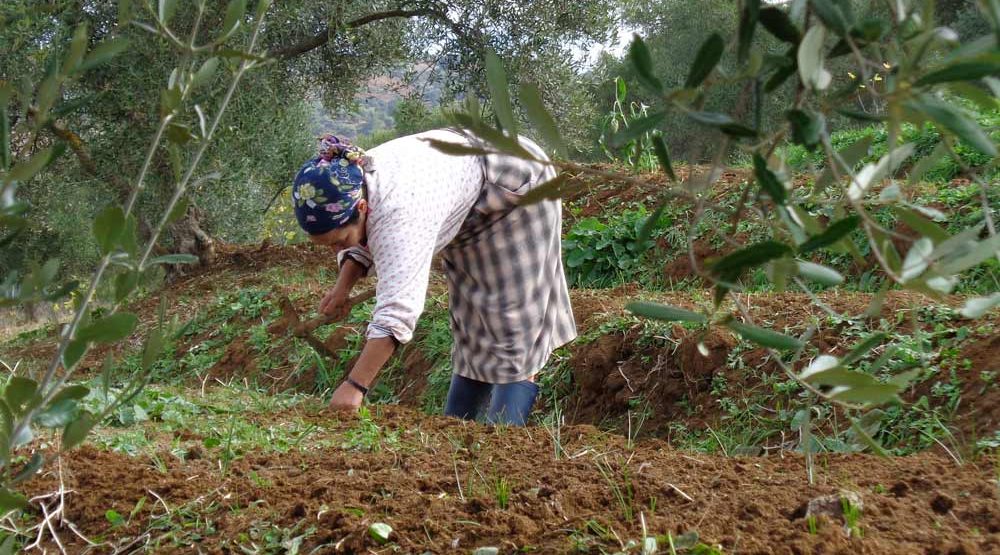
<point x="788" y="348"/>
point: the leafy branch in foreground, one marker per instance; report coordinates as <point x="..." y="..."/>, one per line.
<point x="47" y="401"/>
<point x="901" y="63"/>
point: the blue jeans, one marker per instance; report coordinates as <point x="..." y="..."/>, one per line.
<point x="510" y="403"/>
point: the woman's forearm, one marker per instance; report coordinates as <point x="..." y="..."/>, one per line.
<point x="373" y="357"/>
<point x="350" y="272"/>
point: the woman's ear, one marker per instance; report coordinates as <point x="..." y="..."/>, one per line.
<point x="363" y="206"/>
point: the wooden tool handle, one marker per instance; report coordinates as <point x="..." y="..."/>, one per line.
<point x="309" y="326"/>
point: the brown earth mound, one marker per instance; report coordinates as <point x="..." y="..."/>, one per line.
<point x="615" y="376"/>
<point x="979" y="411"/>
<point x="680" y="269"/>
<point x="592" y="194"/>
<point x="623" y="376"/>
<point x="436" y="489"/>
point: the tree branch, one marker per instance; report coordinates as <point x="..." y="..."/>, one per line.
<point x="79" y="148"/>
<point x="323" y="36"/>
<point x="86" y="162"/>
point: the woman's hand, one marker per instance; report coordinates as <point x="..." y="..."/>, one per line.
<point x="346" y="398"/>
<point x="374" y="355"/>
<point x="334" y="304"/>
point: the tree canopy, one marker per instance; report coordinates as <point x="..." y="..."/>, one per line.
<point x="319" y="50"/>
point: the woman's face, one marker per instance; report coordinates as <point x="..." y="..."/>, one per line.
<point x="347" y="236"/>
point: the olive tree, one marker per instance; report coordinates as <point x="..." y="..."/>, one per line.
<point x="31" y="140"/>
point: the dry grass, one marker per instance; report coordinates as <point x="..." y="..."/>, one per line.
<point x="15" y="321"/>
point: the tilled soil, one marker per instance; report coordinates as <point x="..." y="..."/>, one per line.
<point x="919" y="504"/>
<point x="436" y="486"/>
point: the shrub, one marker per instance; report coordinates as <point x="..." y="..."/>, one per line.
<point x="609" y="253"/>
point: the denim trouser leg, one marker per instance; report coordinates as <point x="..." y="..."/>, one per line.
<point x="466" y="397"/>
<point x="512" y="402"/>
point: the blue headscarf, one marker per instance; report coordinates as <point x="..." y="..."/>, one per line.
<point x="327" y="189"/>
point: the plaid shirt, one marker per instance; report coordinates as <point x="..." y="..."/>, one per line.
<point x="508" y="296"/>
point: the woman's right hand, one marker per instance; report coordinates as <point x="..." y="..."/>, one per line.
<point x="335" y="304"/>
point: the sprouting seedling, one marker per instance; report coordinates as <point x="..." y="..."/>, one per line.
<point x="228" y="453"/>
<point x="852" y="516"/>
<point x="633" y="433"/>
<point x="553" y="425"/>
<point x="501" y="488"/>
<point x="380" y="532"/>
<point x="622" y="491"/>
<point x="114" y="518"/>
<point x="649" y="545"/>
<point x="813" y="524"/>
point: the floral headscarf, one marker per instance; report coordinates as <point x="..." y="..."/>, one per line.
<point x="327" y="189"/>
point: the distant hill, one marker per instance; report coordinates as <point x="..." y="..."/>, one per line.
<point x="376" y="104"/>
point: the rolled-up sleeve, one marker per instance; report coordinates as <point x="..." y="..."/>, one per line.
<point x="361" y="255"/>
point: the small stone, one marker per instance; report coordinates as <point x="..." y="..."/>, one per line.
<point x="942" y="504"/>
<point x="833" y="505"/>
<point x="486" y="551"/>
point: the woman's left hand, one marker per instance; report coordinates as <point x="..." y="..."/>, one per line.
<point x="346" y="398"/>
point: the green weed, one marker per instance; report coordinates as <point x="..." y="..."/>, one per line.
<point x="608" y="253"/>
<point x="265" y="538"/>
<point x="621" y="485"/>
<point x="852" y="518"/>
<point x="366" y="435"/>
<point x="501" y="490"/>
<point x="183" y="527"/>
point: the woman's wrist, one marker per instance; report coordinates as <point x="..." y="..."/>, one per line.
<point x="362" y="388"/>
<point x="341" y="292"/>
<point x="374" y="355"/>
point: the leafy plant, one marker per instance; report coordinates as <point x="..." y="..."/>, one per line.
<point x="609" y="253"/>
<point x="636" y="152"/>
